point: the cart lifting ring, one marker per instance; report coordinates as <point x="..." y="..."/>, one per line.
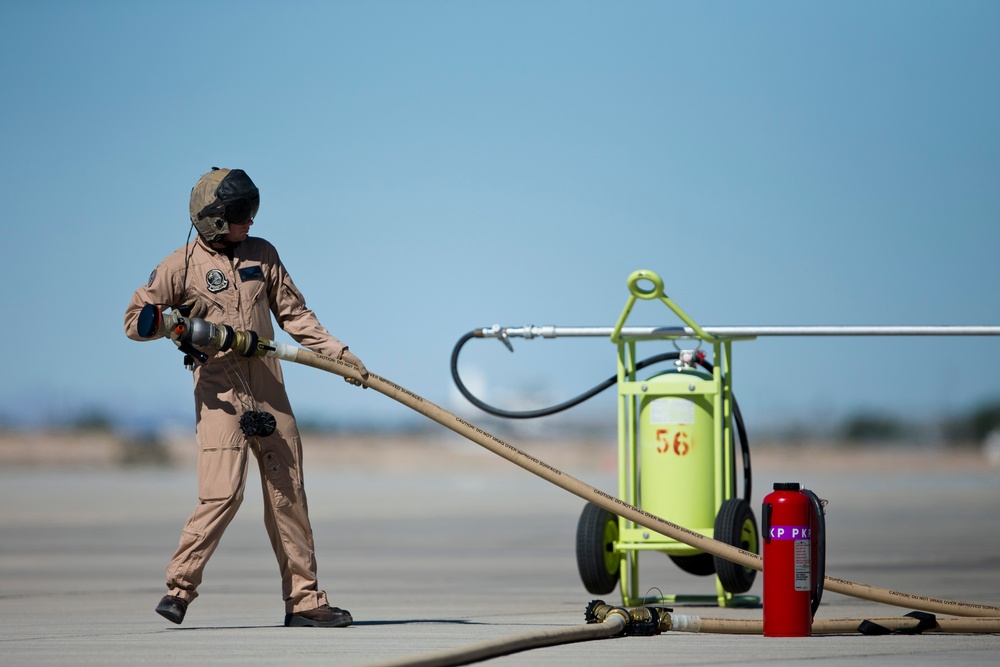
<point x="648" y="276"/>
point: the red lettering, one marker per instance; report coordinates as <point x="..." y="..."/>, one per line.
<point x="681" y="444"/>
<point x="661" y="437"/>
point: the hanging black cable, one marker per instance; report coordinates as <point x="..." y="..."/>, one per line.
<point x="590" y="393"/>
<point x="744" y="443"/>
<point x="542" y="412"/>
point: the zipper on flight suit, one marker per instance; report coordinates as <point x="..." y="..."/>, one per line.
<point x="234" y="274"/>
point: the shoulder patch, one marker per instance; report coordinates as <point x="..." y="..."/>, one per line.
<point x="152" y="277"/>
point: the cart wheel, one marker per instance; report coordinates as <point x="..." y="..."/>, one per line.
<point x="735" y="525"/>
<point x="700" y="565"/>
<point x="596" y="534"/>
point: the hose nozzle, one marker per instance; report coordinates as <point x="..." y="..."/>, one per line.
<point x="187" y="332"/>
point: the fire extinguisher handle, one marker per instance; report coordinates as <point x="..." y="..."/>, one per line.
<point x="765" y="518"/>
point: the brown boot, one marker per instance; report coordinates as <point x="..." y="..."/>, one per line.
<point x="172" y="608"/>
<point x="324" y="616"/>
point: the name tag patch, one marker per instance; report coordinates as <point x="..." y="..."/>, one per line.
<point x="251" y="273"/>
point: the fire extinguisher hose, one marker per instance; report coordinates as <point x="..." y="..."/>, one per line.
<point x="605" y="500"/>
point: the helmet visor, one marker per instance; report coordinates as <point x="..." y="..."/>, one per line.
<point x="239" y="212"/>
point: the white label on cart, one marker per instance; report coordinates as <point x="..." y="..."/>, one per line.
<point x="671" y="411"/>
<point x="803" y="569"/>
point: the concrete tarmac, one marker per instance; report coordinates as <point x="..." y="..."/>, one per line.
<point x="447" y="546"/>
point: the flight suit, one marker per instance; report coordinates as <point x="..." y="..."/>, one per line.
<point x="244" y="292"/>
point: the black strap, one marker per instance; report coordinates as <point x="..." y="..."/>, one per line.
<point x="925" y="621"/>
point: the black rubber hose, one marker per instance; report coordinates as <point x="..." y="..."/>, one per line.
<point x="744" y="443"/>
<point x="541" y="412"/>
<point x="590" y="393"/>
<point x="819" y="550"/>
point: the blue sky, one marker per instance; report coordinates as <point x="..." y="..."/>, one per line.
<point x="427" y="168"/>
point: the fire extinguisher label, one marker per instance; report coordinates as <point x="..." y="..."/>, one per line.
<point x="790" y="533"/>
<point x="803" y="565"/>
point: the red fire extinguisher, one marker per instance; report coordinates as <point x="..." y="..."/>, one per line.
<point x="794" y="559"/>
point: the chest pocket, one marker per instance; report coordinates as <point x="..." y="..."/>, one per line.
<point x="251" y="273"/>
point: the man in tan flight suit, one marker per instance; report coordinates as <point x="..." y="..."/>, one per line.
<point x="226" y="277"/>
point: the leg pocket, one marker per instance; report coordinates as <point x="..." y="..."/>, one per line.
<point x="279" y="477"/>
<point x="220" y="472"/>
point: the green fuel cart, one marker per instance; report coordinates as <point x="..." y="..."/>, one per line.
<point x="677" y="433"/>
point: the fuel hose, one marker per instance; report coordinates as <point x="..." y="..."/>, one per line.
<point x="612" y="624"/>
<point x="912" y="623"/>
<point x="600" y="498"/>
<point x="202" y="333"/>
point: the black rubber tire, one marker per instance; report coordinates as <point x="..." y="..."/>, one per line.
<point x="736" y="526"/>
<point x="596" y="533"/>
<point x="700" y="565"/>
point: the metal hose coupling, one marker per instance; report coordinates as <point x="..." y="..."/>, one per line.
<point x="223" y="337"/>
<point x="188" y="331"/>
<point x="249" y="344"/>
<point x="639" y="621"/>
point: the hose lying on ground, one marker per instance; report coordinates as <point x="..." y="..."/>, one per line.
<point x="837" y="626"/>
<point x="604" y="621"/>
<point x="664" y="619"/>
<point x="612" y="624"/>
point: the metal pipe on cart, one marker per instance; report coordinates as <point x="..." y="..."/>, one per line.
<point x="732" y="332"/>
